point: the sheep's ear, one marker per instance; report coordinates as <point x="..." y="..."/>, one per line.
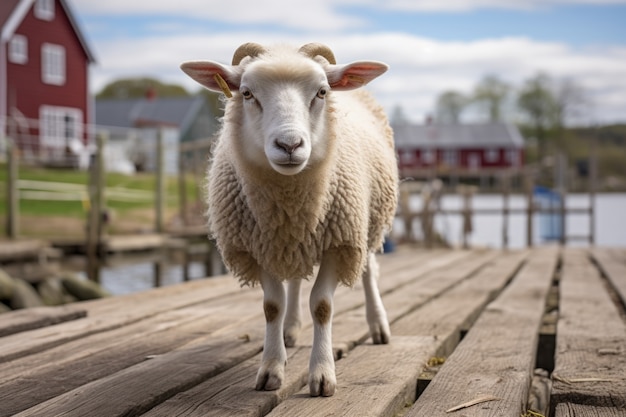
<point x="212" y="75"/>
<point x="354" y="75"/>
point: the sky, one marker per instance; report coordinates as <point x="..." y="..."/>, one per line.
<point x="431" y="46"/>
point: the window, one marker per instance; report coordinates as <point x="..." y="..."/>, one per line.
<point x="492" y="155"/>
<point x="44" y="9"/>
<point x="53" y="64"/>
<point x="450" y="157"/>
<point x="60" y="126"/>
<point x="512" y="157"/>
<point x="18" y="49"/>
<point x="428" y="156"/>
<point x="407" y="157"/>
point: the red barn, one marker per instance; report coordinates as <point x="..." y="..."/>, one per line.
<point x="458" y="148"/>
<point x="44" y="76"/>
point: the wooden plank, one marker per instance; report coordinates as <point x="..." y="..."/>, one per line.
<point x="34" y="318"/>
<point x="352" y="329"/>
<point x="577" y="410"/>
<point x="114" y="312"/>
<point x="447" y="316"/>
<point x="21" y="249"/>
<point x="590" y="365"/>
<point x="231" y="393"/>
<point x="613" y="266"/>
<point x="381" y="388"/>
<point x="125" y="243"/>
<point x="497" y="356"/>
<point x="139" y="388"/>
<point x="88" y="359"/>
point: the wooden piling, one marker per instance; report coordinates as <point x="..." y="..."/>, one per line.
<point x="97" y="202"/>
<point x="13" y="211"/>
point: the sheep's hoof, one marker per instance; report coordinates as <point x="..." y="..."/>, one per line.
<point x="380" y="333"/>
<point x="291" y="334"/>
<point x="322" y="385"/>
<point x="270" y="377"/>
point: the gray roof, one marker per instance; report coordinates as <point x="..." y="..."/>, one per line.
<point x="130" y="113"/>
<point x="457" y="136"/>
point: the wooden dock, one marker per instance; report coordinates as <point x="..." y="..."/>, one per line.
<point x="469" y="328"/>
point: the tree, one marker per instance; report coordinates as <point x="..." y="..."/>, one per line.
<point x="450" y="105"/>
<point x="140" y="87"/>
<point x="491" y="93"/>
<point x="537" y="103"/>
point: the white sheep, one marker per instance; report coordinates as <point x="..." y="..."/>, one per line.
<point x="303" y="174"/>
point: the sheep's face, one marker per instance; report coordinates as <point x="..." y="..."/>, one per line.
<point x="283" y="116"/>
<point x="282" y="99"/>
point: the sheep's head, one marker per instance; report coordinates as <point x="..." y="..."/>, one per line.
<point x="283" y="95"/>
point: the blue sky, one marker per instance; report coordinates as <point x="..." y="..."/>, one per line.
<point x="431" y="45"/>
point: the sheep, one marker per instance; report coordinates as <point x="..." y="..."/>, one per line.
<point x="303" y="176"/>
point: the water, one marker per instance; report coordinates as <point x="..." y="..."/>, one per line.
<point x="610" y="231"/>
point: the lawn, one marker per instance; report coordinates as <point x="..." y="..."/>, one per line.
<point x="56" y="201"/>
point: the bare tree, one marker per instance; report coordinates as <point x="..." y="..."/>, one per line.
<point x="491" y="92"/>
<point x="450" y="105"/>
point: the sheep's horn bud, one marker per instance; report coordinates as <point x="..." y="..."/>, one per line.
<point x="314" y="49"/>
<point x="250" y="49"/>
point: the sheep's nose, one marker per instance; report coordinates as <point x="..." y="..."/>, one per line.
<point x="288" y="145"/>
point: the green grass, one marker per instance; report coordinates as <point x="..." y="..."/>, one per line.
<point x="143" y="183"/>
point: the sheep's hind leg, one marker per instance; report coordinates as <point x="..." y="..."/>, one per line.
<point x="293" y="322"/>
<point x="374" y="308"/>
<point x="272" y="372"/>
<point x="322" y="380"/>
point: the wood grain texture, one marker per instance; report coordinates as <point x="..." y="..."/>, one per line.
<point x="577" y="410"/>
<point x="497" y="356"/>
<point x="38" y="317"/>
<point x="590" y="363"/>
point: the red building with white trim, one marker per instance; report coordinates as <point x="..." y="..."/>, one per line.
<point x="44" y="77"/>
<point x="458" y="148"/>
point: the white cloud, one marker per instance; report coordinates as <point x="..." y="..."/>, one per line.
<point x="420" y="68"/>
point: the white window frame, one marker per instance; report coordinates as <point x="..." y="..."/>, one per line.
<point x="18" y="49"/>
<point x="450" y="157"/>
<point x="53" y="64"/>
<point x="44" y="9"/>
<point x="407" y="157"/>
<point x="492" y="155"/>
<point x="59" y="126"/>
<point x="428" y="156"/>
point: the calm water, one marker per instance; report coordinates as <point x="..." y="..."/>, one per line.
<point x="610" y="231"/>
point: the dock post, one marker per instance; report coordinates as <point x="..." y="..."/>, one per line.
<point x="13" y="211"/>
<point x="96" y="206"/>
<point x="530" y="205"/>
<point x="160" y="204"/>
<point x="506" y="188"/>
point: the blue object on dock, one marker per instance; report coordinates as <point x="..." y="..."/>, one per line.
<point x="550" y="223"/>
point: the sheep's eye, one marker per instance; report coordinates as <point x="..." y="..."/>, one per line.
<point x="322" y="92"/>
<point x="247" y="94"/>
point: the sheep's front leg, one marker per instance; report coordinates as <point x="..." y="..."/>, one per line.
<point x="272" y="371"/>
<point x="374" y="308"/>
<point x="292" y="318"/>
<point x="322" y="379"/>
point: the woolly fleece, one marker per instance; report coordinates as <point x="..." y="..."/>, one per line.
<point x="284" y="224"/>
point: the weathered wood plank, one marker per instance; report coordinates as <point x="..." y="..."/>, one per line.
<point x="381" y="388"/>
<point x="577" y="410"/>
<point x="590" y="365"/>
<point x="351" y="329"/>
<point x="82" y="361"/>
<point x="14" y="250"/>
<point x="447" y="316"/>
<point x="37" y="317"/>
<point x="141" y="387"/>
<point x="497" y="356"/>
<point x="231" y="393"/>
<point x="108" y="314"/>
<point x="614" y="268"/>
